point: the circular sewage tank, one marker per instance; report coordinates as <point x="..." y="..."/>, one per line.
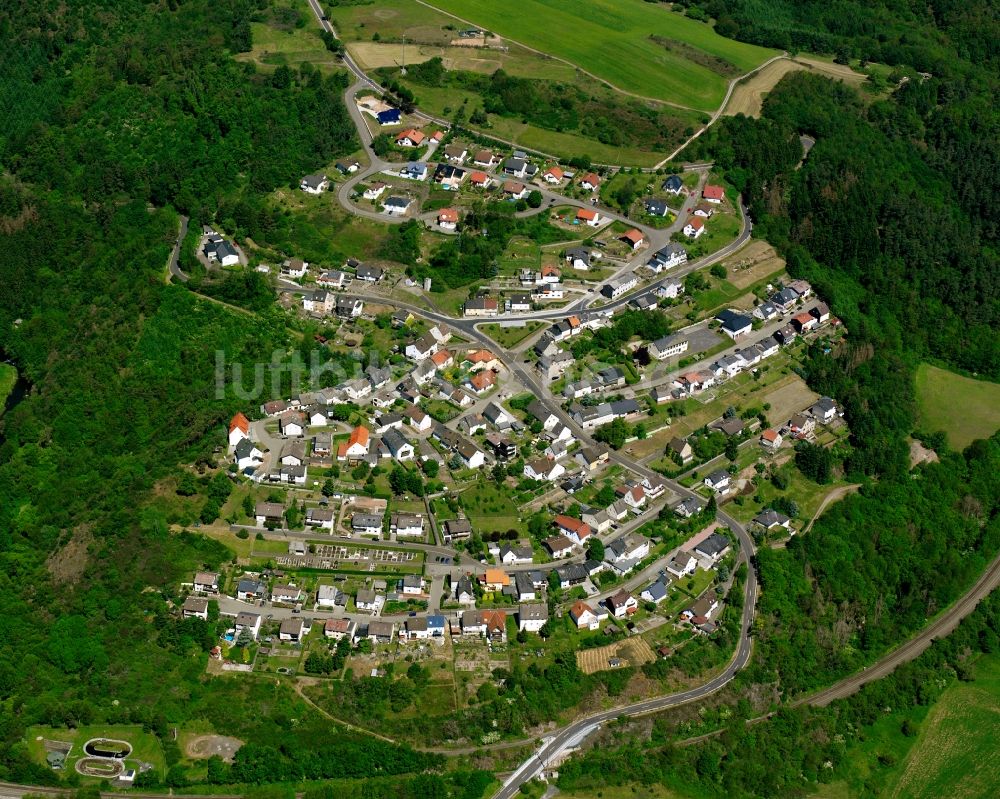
<point x="109" y="748"/>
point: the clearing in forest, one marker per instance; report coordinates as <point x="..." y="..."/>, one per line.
<point x="748" y="95"/>
<point x="964" y="408"/>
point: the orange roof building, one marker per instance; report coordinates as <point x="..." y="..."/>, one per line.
<point x="713" y="193"/>
<point x="479" y="178"/>
<point x="240" y="422"/>
<point x="496" y="577"/>
<point x="633" y="237"/>
<point x="356" y="445"/>
<point x="484" y="380"/>
<point x="413" y="135"/>
<point x="448" y="215"/>
<point x="441" y="358"/>
<point x="481" y="356"/>
<point x="586" y="215"/>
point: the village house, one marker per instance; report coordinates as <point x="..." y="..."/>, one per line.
<point x="366" y="524"/>
<point x="340" y="628"/>
<point x="396" y="206"/>
<point x="481" y="306"/>
<point x="374" y="190"/>
<point x="633" y="238"/>
<point x="206" y="582"/>
<point x="266" y="513"/>
<point x="682" y="564"/>
<point x="771" y="439"/>
<point x="544" y="469"/>
<point x="195" y="607"/>
<point x="247" y="622"/>
<point x="574" y="529"/>
<point x="447" y="219"/>
<point x="288" y="594"/>
<point x="619" y="285"/>
<point x="239" y="429"/>
<point x="590" y="182"/>
<point x="407" y="525"/>
<point x="622" y="604"/>
<point x="480" y="180"/>
<point x="694" y="227"/>
<point x="314" y="184"/>
<point x="532" y="617"/>
<point x="410" y="138"/>
<point x="719" y="481"/>
<point x="714" y="547"/>
<point x="583" y="616"/>
<point x="559" y="546"/>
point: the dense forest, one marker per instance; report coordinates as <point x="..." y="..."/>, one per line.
<point x="117" y="116"/>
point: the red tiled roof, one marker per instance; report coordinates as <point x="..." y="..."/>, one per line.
<point x="479" y="177"/>
<point x="359" y="435"/>
<point x="586" y="214"/>
<point x="481" y="356"/>
<point x="713" y="192"/>
<point x="696" y="222"/>
<point x="577" y="526"/>
<point x="634" y="235"/>
<point x="591" y="178"/>
<point x="447" y="215"/>
<point x="239" y="421"/>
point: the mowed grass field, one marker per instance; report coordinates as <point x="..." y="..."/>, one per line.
<point x="955" y="754"/>
<point x="964" y="408"/>
<point x="611" y="39"/>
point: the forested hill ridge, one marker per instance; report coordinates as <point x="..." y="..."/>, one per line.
<point x="894" y="213"/>
<point x="117" y="115"/>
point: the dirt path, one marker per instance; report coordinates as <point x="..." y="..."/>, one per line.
<point x="834" y="496"/>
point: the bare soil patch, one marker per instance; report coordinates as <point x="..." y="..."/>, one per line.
<point x="205" y="746"/>
<point x="788" y="399"/>
<point x="748" y="96"/>
<point x="753" y="263"/>
<point x="67" y="563"/>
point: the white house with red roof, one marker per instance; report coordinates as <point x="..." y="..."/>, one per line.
<point x="591" y="182"/>
<point x="239" y="428"/>
<point x="553" y="175"/>
<point x="410" y="138"/>
<point x="713" y="194"/>
<point x="589" y="217"/>
<point x="694" y="228"/>
<point x="576" y="530"/>
<point x="356" y="446"/>
<point x="447" y="219"/>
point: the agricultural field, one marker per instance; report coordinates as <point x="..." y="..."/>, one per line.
<point x="686" y="64"/>
<point x="633" y="651"/>
<point x="955" y="752"/>
<point x="937" y="393"/>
